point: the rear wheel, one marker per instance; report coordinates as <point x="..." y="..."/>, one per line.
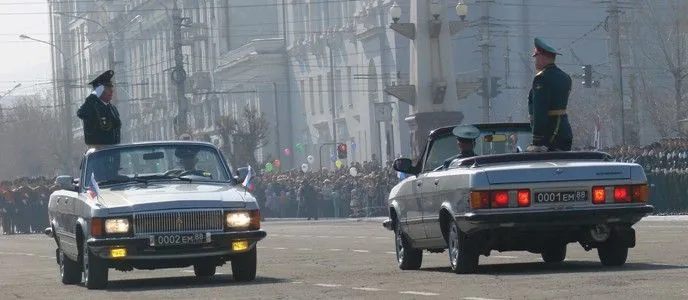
<point x="554" y="254"/>
<point x="244" y="266"/>
<point x="204" y="270"/>
<point x="463" y="255"/>
<point x="612" y="254"/>
<point x="408" y="258"/>
<point x="70" y="271"/>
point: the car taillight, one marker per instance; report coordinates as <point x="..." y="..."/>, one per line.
<point x="479" y="200"/>
<point x="523" y="198"/>
<point x="622" y="194"/>
<point x="500" y="199"/>
<point x="598" y="195"/>
<point x="640" y="193"/>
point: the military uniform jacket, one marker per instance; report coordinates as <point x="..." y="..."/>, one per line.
<point x="101" y="122"/>
<point x="548" y="95"/>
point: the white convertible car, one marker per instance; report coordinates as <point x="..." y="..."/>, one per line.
<point x="153" y="205"/>
<point x="507" y="200"/>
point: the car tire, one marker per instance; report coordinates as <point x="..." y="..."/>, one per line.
<point x="204" y="270"/>
<point x="408" y="258"/>
<point x="612" y="254"/>
<point x="70" y="271"/>
<point x="95" y="270"/>
<point x="244" y="266"/>
<point x="553" y="254"/>
<point x="463" y="255"/>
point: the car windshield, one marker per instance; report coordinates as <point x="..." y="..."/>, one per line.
<point x="143" y="163"/>
<point x="491" y="141"/>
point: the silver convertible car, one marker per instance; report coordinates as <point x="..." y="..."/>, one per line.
<point x="153" y="205"/>
<point x="506" y="200"/>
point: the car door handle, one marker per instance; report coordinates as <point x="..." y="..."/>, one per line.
<point x="437" y="181"/>
<point x="419" y="183"/>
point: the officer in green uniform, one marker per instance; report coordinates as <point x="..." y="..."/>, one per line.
<point x="465" y="139"/>
<point x="100" y="117"/>
<point x="547" y="102"/>
<point x="188" y="159"/>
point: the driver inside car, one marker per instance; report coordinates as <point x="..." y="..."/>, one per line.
<point x="465" y="140"/>
<point x="188" y="160"/>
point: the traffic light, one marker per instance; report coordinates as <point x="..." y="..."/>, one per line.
<point x="587" y="76"/>
<point x="341" y="151"/>
<point x="495" y="87"/>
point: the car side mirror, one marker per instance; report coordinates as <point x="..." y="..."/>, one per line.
<point x="241" y="174"/>
<point x="64" y="182"/>
<point x="403" y="165"/>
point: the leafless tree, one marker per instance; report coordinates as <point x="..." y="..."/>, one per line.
<point x="658" y="28"/>
<point x="31" y="140"/>
<point x="243" y="136"/>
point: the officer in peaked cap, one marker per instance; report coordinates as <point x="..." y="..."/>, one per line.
<point x="547" y="102"/>
<point x="465" y="140"/>
<point x="100" y="117"/>
<point x="188" y="158"/>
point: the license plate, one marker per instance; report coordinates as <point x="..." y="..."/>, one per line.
<point x="558" y="197"/>
<point x="178" y="239"/>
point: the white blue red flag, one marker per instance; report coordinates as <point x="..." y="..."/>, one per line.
<point x="401" y="175"/>
<point x="248" y="181"/>
<point x="93" y="190"/>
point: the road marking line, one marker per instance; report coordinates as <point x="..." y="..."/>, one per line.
<point x="367" y="289"/>
<point x="261" y="247"/>
<point x="362" y="251"/>
<point x="328" y="285"/>
<point x="304" y="249"/>
<point x="335" y="249"/>
<point x="29" y="254"/>
<point x="280" y="248"/>
<point x="391" y="252"/>
<point x="419" y="293"/>
<point x="297" y="282"/>
<point x="339" y="237"/>
<point x="322" y="236"/>
<point x="477" y="298"/>
<point x="288" y="236"/>
<point x="360" y="237"/>
<point x="505" y="256"/>
<point x="381" y="238"/>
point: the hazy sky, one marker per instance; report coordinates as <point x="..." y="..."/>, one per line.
<point x="24" y="61"/>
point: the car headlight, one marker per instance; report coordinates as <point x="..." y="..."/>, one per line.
<point x="119" y="225"/>
<point x="238" y="219"/>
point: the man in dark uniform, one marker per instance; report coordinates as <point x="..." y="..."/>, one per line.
<point x="465" y="139"/>
<point x="547" y="102"/>
<point x="100" y="117"/>
<point x="188" y="159"/>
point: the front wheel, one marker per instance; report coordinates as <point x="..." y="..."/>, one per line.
<point x="554" y="254"/>
<point x="463" y="255"/>
<point x="70" y="271"/>
<point x="244" y="266"/>
<point x="408" y="258"/>
<point x="95" y="270"/>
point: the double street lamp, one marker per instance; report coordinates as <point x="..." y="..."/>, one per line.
<point x="409" y="29"/>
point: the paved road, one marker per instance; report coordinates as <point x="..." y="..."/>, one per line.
<point x="354" y="260"/>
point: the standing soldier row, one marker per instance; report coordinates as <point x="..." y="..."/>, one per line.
<point x="24" y="205"/>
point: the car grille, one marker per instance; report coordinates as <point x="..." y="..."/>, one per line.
<point x="179" y="221"/>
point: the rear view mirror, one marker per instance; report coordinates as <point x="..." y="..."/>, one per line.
<point x="404" y="165"/>
<point x="64" y="182"/>
<point x="153" y="155"/>
<point x="494" y="138"/>
<point x="242" y="173"/>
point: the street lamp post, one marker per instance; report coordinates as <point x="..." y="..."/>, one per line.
<point x="66" y="99"/>
<point x="432" y="78"/>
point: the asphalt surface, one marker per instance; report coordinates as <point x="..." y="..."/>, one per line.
<point x="354" y="259"/>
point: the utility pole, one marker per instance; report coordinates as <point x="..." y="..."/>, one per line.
<point x="331" y="80"/>
<point x="485" y="45"/>
<point x="179" y="74"/>
<point x="615" y="55"/>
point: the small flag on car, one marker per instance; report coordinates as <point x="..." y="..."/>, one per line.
<point x="248" y="181"/>
<point x="93" y="190"/>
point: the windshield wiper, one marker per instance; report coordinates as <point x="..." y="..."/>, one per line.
<point x="122" y="180"/>
<point x="153" y="177"/>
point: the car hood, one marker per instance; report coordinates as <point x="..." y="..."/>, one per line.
<point x="156" y="196"/>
